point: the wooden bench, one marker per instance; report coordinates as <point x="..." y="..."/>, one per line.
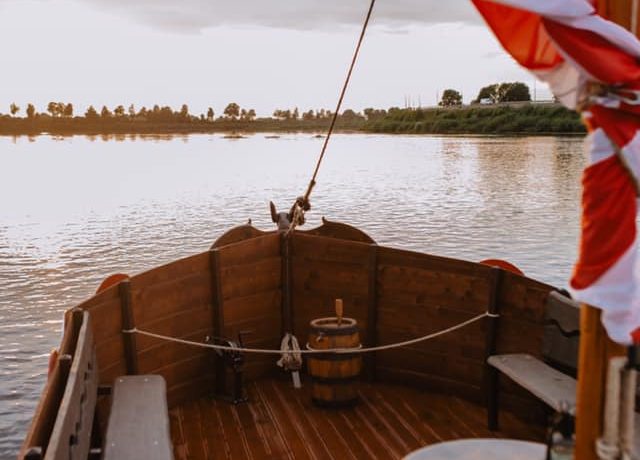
<point x="139" y="421"/>
<point x="71" y="435"/>
<point x="64" y="425"/>
<point x="551" y="379"/>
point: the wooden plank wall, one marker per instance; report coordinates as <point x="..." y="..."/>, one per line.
<point x="324" y="269"/>
<point x="415" y="294"/>
<point x="175" y="300"/>
<point x="251" y="297"/>
<point x="394" y="295"/>
<point x="192" y="299"/>
<point x="521" y="327"/>
<point x="106" y="321"/>
<point x="419" y="294"/>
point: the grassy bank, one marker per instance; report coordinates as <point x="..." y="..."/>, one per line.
<point x="125" y="125"/>
<point x="502" y="119"/>
<point x="521" y="118"/>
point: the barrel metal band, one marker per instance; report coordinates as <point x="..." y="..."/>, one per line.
<point x="333" y="381"/>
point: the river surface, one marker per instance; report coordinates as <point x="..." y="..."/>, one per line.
<point x="74" y="210"/>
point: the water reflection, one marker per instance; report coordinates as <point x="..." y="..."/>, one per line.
<point x="80" y="210"/>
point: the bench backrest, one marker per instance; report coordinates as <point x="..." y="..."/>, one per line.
<point x="62" y="424"/>
<point x="39" y="433"/>
<point x="561" y="337"/>
<point x="71" y="435"/>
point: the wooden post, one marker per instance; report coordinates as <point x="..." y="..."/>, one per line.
<point x="621" y="12"/>
<point x="217" y="317"/>
<point x="491" y="376"/>
<point x="285" y="257"/>
<point x="595" y="351"/>
<point x="595" y="346"/>
<point x="128" y="323"/>
<point x="372" y="313"/>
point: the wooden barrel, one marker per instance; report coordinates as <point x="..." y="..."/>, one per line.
<point x="334" y="375"/>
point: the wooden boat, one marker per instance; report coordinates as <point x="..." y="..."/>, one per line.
<point x="263" y="285"/>
<point x="149" y="367"/>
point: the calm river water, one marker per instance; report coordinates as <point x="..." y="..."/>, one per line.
<point x="74" y="210"/>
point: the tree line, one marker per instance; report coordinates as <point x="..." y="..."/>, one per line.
<point x="491" y="94"/>
<point x="232" y="112"/>
<point x="156" y="113"/>
<point x="59" y="118"/>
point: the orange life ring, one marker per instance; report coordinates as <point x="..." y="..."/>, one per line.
<point x="503" y="264"/>
<point x="111" y="280"/>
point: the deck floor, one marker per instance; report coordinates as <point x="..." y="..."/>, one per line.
<point x="280" y="422"/>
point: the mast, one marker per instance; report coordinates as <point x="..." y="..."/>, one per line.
<point x="623" y="12"/>
<point x="596" y="349"/>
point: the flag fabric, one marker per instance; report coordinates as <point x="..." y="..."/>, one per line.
<point x="591" y="65"/>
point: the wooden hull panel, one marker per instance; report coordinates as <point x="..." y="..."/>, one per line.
<point x="393" y="294"/>
<point x="264" y="284"/>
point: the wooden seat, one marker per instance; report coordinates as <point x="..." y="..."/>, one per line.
<point x="553" y="387"/>
<point x="139" y="420"/>
<point x="550" y="380"/>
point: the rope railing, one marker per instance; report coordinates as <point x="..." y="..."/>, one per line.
<point x="308" y="351"/>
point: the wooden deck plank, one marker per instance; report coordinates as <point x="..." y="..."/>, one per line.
<point x="177" y="434"/>
<point x="214" y="442"/>
<point x="417" y="416"/>
<point x="234" y="433"/>
<point x="276" y="444"/>
<point x="333" y="439"/>
<point x="404" y="432"/>
<point x="351" y="433"/>
<point x="280" y="422"/>
<point x="192" y="429"/>
<point x="295" y="434"/>
<point x="382" y="425"/>
<point x="312" y="436"/>
<point x="295" y="447"/>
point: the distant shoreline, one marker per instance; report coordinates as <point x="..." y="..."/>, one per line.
<point x="499" y="119"/>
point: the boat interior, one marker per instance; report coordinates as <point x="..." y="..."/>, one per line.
<point x="253" y="287"/>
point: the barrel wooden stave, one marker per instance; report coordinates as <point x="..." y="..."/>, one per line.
<point x="334" y="376"/>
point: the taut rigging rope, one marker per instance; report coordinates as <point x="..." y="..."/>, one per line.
<point x="305" y="199"/>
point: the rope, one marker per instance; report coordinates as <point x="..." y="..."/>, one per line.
<point x="606" y="451"/>
<point x="291" y="359"/>
<point x="312" y="182"/>
<point x="312" y="351"/>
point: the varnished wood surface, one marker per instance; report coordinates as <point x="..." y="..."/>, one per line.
<point x="393" y="294"/>
<point x="596" y="349"/>
<point x="281" y="422"/>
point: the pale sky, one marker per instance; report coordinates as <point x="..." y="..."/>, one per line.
<point x="262" y="54"/>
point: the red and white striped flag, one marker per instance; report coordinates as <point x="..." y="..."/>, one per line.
<point x="591" y="65"/>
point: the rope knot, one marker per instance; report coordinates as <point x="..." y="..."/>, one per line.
<point x="291" y="359"/>
<point x="296" y="214"/>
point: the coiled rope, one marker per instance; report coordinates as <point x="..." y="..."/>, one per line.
<point x="266" y="351"/>
<point x="302" y="204"/>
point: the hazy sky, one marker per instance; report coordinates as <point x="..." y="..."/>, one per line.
<point x="262" y="54"/>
